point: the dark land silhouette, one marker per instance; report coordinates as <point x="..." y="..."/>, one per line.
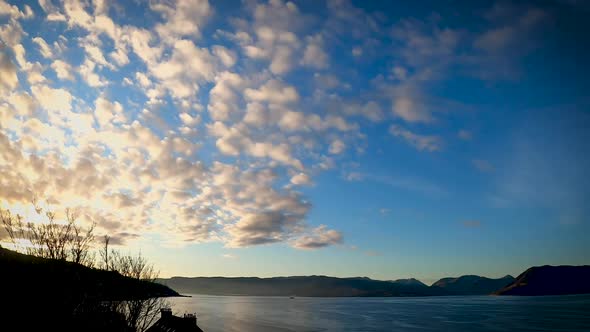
<point x="550" y="280"/>
<point x="323" y="286"/>
<point x="56" y="295"/>
<point x="471" y="285"/>
<point x="544" y="280"/>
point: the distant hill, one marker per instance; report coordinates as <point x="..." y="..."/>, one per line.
<point x="320" y="286"/>
<point x="410" y="282"/>
<point x="413" y="286"/>
<point x="471" y="285"/>
<point x="50" y="291"/>
<point x="323" y="286"/>
<point x="550" y="280"/>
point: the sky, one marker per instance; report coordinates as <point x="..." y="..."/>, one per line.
<point x="271" y="138"/>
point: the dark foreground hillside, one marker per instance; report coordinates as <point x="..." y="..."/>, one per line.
<point x="550" y="280"/>
<point x="51" y="295"/>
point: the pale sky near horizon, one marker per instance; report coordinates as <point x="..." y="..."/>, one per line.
<point x="273" y="138"/>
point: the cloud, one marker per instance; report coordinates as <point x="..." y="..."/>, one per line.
<point x="406" y="182"/>
<point x="272" y="36"/>
<point x="483" y="165"/>
<point x="465" y="135"/>
<point x="223" y="97"/>
<point x="261" y="228"/>
<point x="421" y="142"/>
<point x="8" y="77"/>
<point x="51" y="10"/>
<point x="319" y="237"/>
<point x="210" y="139"/>
<point x="22" y="103"/>
<point x="273" y="91"/>
<point x="63" y="70"/>
<point x="370" y="109"/>
<point x="384" y="211"/>
<point x="14" y="12"/>
<point x="183" y="18"/>
<point x="88" y="73"/>
<point x="45" y="50"/>
<point x="314" y="55"/>
<point x="301" y="179"/>
<point x="472" y="223"/>
<point x="411" y="109"/>
<point x="107" y="112"/>
<point x="512" y="28"/>
<point x="337" y="147"/>
<point x="229" y="256"/>
<point x="130" y="164"/>
<point x="52" y="99"/>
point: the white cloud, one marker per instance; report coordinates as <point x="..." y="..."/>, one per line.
<point x="337" y="147"/>
<point x="272" y="36"/>
<point x="52" y="99"/>
<point x="44" y="48"/>
<point x="120" y="57"/>
<point x="370" y="110"/>
<point x="223" y="97"/>
<point x="87" y="72"/>
<point x="107" y="112"/>
<point x="319" y="237"/>
<point x="411" y="110"/>
<point x="8" y="77"/>
<point x="22" y="103"/>
<point x="185" y="69"/>
<point x="135" y="159"/>
<point x="314" y="55"/>
<point x="14" y="12"/>
<point x="273" y="91"/>
<point x="227" y="56"/>
<point x="421" y="142"/>
<point x="301" y="179"/>
<point x="189" y="120"/>
<point x="183" y="18"/>
<point x="63" y="70"/>
<point x="52" y="11"/>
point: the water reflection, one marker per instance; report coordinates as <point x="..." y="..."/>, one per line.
<point x="475" y="313"/>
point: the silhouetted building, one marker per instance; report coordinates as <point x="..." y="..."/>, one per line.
<point x="171" y="323"/>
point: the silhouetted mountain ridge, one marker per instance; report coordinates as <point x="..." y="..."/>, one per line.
<point x="325" y="286"/>
<point x="550" y="280"/>
<point x="471" y="285"/>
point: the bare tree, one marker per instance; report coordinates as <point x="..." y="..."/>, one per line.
<point x="15" y="228"/>
<point x="104" y="253"/>
<point x="50" y="239"/>
<point x="142" y="313"/>
<point x="139" y="313"/>
<point x="81" y="245"/>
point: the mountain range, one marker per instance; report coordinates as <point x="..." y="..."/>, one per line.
<point x="324" y="286"/>
<point x="550" y="280"/>
<point x="542" y="280"/>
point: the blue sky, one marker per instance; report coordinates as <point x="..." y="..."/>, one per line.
<point x="292" y="138"/>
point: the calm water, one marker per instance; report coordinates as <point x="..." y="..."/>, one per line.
<point x="471" y="313"/>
